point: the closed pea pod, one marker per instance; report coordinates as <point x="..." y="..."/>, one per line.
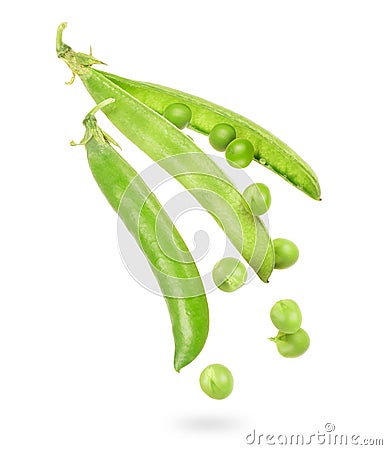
<point x="176" y="153"/>
<point x="148" y="222"/>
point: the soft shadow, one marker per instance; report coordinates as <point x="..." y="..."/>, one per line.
<point x="208" y="423"/>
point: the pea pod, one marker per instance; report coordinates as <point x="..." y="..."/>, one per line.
<point x="270" y="151"/>
<point x="179" y="156"/>
<point x="148" y="222"/>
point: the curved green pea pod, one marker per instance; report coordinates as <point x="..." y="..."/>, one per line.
<point x="181" y="157"/>
<point x="270" y="151"/>
<point x="148" y="222"/>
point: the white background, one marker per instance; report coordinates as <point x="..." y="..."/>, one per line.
<point x="85" y="352"/>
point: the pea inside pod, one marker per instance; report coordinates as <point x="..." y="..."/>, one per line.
<point x="221" y="136"/>
<point x="239" y="153"/>
<point x="178" y="114"/>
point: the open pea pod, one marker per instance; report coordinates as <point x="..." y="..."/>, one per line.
<point x="269" y="151"/>
<point x="180" y="157"/>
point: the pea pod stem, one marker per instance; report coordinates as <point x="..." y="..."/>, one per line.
<point x="61" y="47"/>
<point x="179" y="156"/>
<point x="148" y="222"/>
<point x="99" y="107"/>
<point x="270" y="151"/>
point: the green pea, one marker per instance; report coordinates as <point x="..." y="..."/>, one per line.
<point x="258" y="197"/>
<point x="292" y="345"/>
<point x="178" y="114"/>
<point x="239" y="153"/>
<point x="221" y="135"/>
<point x="229" y="274"/>
<point x="286" y="253"/>
<point x="286" y="316"/>
<point x="217" y="381"/>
